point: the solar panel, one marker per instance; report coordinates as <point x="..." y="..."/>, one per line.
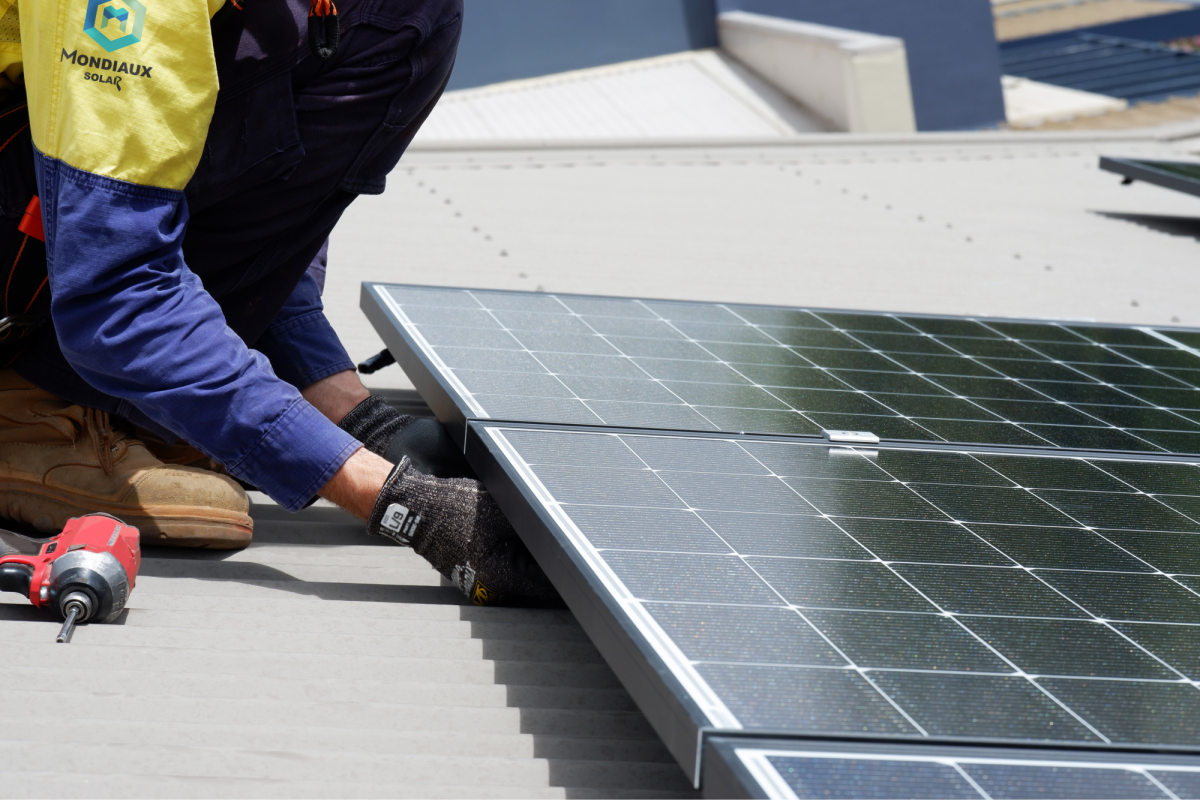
<point x="789" y="770"/>
<point x="1014" y="565"/>
<point x="1182" y="176"/>
<point x="800" y="588"/>
<point x="664" y="365"/>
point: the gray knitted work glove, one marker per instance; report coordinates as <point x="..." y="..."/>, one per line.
<point x="386" y="432"/>
<point x="458" y="528"/>
<point x="373" y="422"/>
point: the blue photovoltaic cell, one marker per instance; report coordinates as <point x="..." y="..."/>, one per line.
<point x="914" y="593"/>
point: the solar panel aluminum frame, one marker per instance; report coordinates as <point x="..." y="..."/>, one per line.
<point x="728" y="773"/>
<point x="412" y="356"/>
<point x="1132" y="170"/>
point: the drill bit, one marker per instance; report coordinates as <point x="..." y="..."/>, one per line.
<point x="64" y="635"/>
<point x="76" y="607"/>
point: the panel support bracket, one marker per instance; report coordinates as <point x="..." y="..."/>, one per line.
<point x="853" y="437"/>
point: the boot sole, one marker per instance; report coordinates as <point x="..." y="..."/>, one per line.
<point x="170" y="526"/>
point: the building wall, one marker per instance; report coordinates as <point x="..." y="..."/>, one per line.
<point x="953" y="59"/>
<point x="503" y="40"/>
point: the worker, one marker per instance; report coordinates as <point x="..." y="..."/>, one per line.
<point x="190" y="159"/>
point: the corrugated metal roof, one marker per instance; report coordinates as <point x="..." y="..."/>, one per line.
<point x="320" y="663"/>
<point x="1123" y="68"/>
<point x="317" y="663"/>
<point x="700" y="93"/>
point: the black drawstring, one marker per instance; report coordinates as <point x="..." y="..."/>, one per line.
<point x="323" y="31"/>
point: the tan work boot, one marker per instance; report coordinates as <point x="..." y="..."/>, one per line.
<point x="181" y="454"/>
<point x="59" y="460"/>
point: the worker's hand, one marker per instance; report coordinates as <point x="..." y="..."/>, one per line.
<point x="501" y="569"/>
<point x="456" y="525"/>
<point x="386" y="432"/>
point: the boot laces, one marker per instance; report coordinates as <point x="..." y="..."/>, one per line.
<point x="104" y="436"/>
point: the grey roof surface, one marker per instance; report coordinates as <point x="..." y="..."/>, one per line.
<point x="694" y="93"/>
<point x="319" y="663"/>
<point x="316" y="663"/>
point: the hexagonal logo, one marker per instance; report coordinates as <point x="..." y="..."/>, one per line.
<point x="114" y="23"/>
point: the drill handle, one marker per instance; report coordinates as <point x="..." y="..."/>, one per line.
<point x="24" y="574"/>
<point x="16" y="575"/>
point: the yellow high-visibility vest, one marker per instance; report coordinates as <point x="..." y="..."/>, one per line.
<point x="119" y="88"/>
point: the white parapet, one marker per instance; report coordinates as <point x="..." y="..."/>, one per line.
<point x="858" y="81"/>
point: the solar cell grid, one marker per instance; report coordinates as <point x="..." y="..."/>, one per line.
<point x="902" y="592"/>
<point x="729" y="368"/>
<point x="785" y="770"/>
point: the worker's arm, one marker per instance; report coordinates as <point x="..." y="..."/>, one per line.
<point x="118" y="129"/>
<point x="300" y="343"/>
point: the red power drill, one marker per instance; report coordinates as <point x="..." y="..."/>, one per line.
<point x="85" y="573"/>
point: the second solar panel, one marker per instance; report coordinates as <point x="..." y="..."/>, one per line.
<point x="746" y="369"/>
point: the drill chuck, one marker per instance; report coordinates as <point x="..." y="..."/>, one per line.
<point x="75" y="607"/>
<point x="93" y="583"/>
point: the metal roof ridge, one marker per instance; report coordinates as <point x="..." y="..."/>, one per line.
<point x="1160" y="133"/>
